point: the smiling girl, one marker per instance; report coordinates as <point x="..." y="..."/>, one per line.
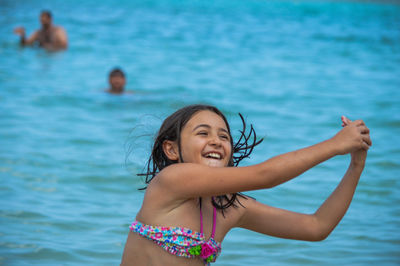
<point x="193" y="195"/>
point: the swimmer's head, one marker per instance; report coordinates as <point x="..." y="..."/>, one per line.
<point x="45" y="18"/>
<point x="117" y="80"/>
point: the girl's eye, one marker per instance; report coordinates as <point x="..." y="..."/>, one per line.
<point x="224" y="137"/>
<point x="203" y="133"/>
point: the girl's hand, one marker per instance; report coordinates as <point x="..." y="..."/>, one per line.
<point x="359" y="156"/>
<point x="354" y="136"/>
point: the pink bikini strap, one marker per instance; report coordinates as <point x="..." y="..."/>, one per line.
<point x="214" y="221"/>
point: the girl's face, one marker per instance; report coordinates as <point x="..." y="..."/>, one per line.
<point x="205" y="140"/>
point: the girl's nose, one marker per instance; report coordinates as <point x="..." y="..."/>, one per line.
<point x="214" y="140"/>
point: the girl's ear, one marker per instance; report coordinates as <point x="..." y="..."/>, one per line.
<point x="170" y="149"/>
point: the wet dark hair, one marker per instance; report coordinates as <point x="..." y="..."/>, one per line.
<point x="117" y="72"/>
<point x="46" y="13"/>
<point x="171" y="130"/>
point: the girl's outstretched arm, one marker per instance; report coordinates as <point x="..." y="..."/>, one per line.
<point x="285" y="224"/>
<point x="334" y="208"/>
<point x="187" y="180"/>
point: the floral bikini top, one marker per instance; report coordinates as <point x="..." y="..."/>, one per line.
<point x="181" y="241"/>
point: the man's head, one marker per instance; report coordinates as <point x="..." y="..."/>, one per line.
<point x="117" y="80"/>
<point x="45" y="18"/>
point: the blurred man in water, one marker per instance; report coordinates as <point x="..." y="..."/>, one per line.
<point x="117" y="81"/>
<point x="50" y="37"/>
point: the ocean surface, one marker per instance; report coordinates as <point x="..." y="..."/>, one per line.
<point x="68" y="188"/>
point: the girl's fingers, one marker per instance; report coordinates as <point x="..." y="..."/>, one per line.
<point x="364" y="130"/>
<point x="359" y="123"/>
<point x="345" y="121"/>
<point x="365" y="146"/>
<point x="367" y="140"/>
<point x="343" y="118"/>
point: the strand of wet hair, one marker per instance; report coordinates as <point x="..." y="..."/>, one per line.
<point x="243" y="148"/>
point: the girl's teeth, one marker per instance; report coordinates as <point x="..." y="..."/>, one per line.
<point x="214" y="155"/>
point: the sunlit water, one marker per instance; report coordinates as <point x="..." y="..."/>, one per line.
<point x="292" y="68"/>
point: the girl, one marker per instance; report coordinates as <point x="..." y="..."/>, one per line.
<point x="193" y="195"/>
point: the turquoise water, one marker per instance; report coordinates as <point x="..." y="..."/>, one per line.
<point x="292" y="68"/>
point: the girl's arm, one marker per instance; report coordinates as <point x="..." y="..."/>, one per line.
<point x="186" y="180"/>
<point x="285" y="224"/>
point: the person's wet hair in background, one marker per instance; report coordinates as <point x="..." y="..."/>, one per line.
<point x="117" y="81"/>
